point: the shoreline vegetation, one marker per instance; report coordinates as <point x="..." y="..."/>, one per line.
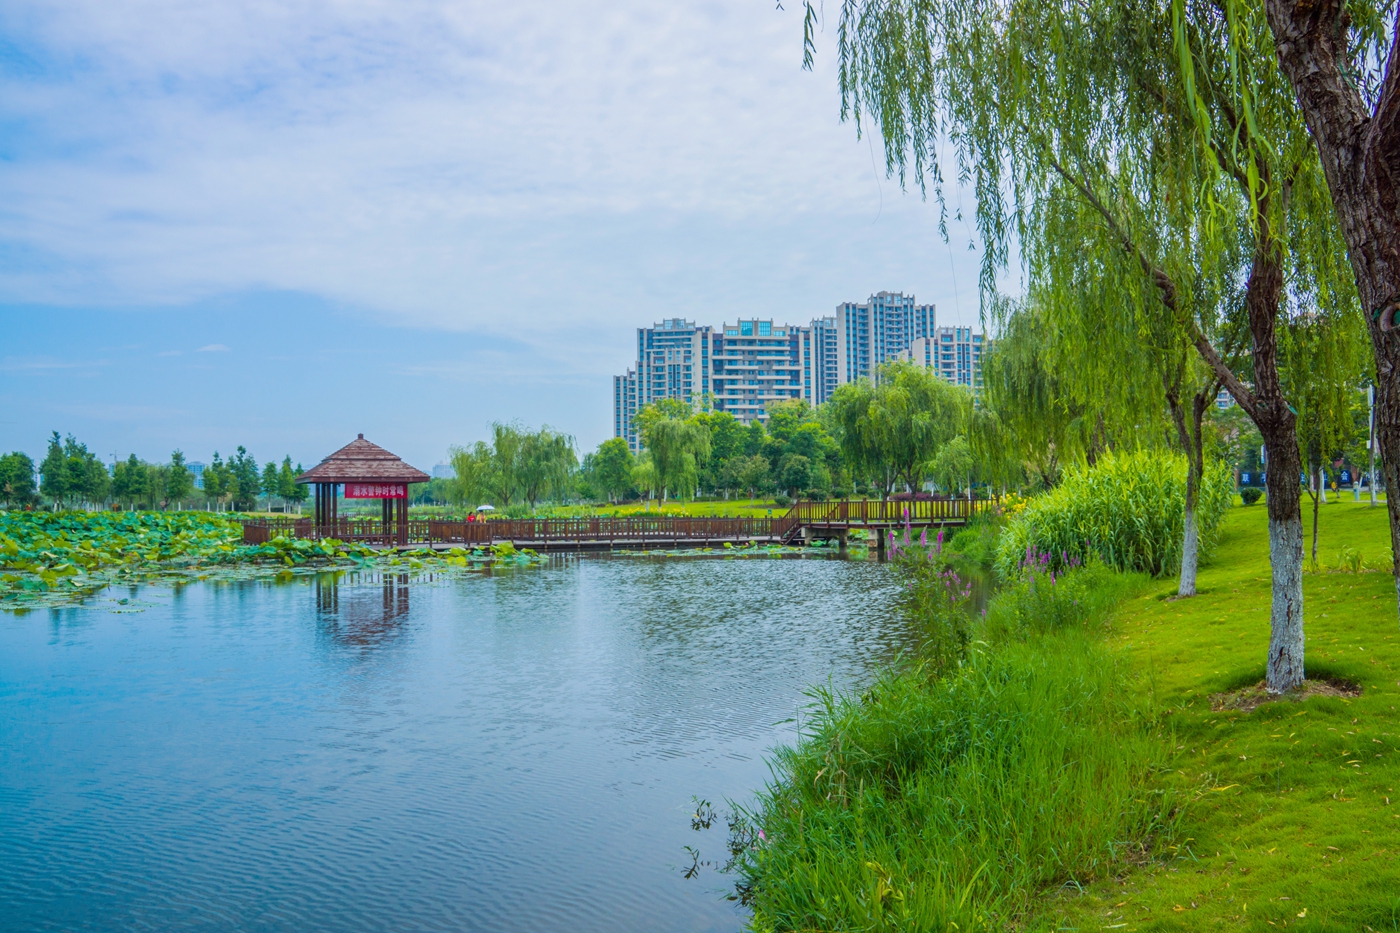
<point x="59" y="559"/>
<point x="1095" y="752"/>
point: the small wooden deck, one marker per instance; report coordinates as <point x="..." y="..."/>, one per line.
<point x="803" y="523"/>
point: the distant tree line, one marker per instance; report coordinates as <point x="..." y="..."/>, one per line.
<point x="71" y="476"/>
<point x="901" y="431"/>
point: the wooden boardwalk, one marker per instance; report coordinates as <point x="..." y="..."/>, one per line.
<point x="803" y="523"/>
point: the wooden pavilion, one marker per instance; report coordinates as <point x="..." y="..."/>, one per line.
<point x="367" y="471"/>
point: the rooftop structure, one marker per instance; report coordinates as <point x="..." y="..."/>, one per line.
<point x="367" y="471"/>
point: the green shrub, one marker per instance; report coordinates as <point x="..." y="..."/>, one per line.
<point x="782" y="501"/>
<point x="1251" y="494"/>
<point x="1127" y="511"/>
<point x="942" y="802"/>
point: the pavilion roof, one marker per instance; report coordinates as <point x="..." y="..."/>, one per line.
<point x="363" y="462"/>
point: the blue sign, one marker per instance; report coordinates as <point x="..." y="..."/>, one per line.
<point x="1244" y="479"/>
<point x="1346" y="477"/>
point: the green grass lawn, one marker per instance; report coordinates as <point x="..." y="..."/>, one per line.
<point x="748" y="508"/>
<point x="1294" y="813"/>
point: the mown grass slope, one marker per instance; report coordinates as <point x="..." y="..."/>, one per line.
<point x="1294" y="814"/>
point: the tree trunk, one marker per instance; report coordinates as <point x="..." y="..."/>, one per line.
<point x="1192" y="442"/>
<point x="1189" y="547"/>
<point x="1360" y="153"/>
<point x="1285" y="670"/>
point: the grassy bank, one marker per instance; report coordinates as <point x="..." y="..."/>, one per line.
<point x="941" y="800"/>
<point x="1102" y="759"/>
<point x="1294" y="815"/>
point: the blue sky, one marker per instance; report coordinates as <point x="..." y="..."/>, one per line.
<point x="279" y="224"/>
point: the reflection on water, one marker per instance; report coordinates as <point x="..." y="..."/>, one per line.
<point x="365" y="614"/>
<point x="366" y="751"/>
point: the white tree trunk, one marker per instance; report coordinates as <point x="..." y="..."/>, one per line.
<point x="1286" y="618"/>
<point x="1190" y="553"/>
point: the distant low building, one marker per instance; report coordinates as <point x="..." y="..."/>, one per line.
<point x="443" y="471"/>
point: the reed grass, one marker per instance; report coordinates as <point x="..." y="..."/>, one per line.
<point x="947" y="800"/>
<point x="1127" y="510"/>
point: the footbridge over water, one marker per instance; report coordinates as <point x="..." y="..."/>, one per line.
<point x="804" y="523"/>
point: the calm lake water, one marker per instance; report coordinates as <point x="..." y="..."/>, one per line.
<point x="516" y="752"/>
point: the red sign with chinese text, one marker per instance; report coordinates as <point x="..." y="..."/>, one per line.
<point x="376" y="491"/>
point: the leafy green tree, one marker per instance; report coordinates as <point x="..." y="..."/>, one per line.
<point x="287" y="482"/>
<point x="216" y="480"/>
<point x="795" y="473"/>
<point x="503" y="478"/>
<point x="1325" y="366"/>
<point x="1144" y="124"/>
<point x="471" y="468"/>
<point x="612" y="467"/>
<point x="728" y="438"/>
<point x="54" y="471"/>
<point x="73" y="474"/>
<point x="545" y="462"/>
<point x="953" y="466"/>
<point x="17" y="481"/>
<point x="647" y="478"/>
<point x="894" y="427"/>
<point x="299" y="491"/>
<point x="271" y="483"/>
<point x="1341" y="62"/>
<point x="130" y="482"/>
<point x="1035" y="415"/>
<point x="678" y="443"/>
<point x="178" y="481"/>
<point x="247" y="482"/>
<point x="752" y="473"/>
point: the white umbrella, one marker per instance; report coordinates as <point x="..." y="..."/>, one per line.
<point x="486" y="508"/>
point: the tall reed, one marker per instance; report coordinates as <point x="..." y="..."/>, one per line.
<point x="933" y="799"/>
<point x="1127" y="511"/>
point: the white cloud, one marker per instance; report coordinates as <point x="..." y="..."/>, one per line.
<point x="556" y="173"/>
<point x="212" y="348"/>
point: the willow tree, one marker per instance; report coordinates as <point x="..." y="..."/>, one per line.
<point x="545" y="463"/>
<point x="678" y="444"/>
<point x="1342" y="60"/>
<point x="1091" y="102"/>
<point x="1325" y="367"/>
<point x="1143" y="369"/>
<point x="1026" y="407"/>
<point x="894" y="426"/>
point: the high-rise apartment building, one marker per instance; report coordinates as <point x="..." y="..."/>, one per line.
<point x="625" y="407"/>
<point x="878" y="331"/>
<point x="673" y="361"/>
<point x="744" y="367"/>
<point x="757" y="362"/>
<point x="826" y="370"/>
<point x="955" y="353"/>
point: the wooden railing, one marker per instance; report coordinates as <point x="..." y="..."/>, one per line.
<point x="888" y="511"/>
<point x="632" y="529"/>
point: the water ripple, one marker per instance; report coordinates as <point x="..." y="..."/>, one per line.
<point x="502" y="753"/>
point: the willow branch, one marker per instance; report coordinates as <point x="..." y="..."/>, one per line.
<point x="1166" y="288"/>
